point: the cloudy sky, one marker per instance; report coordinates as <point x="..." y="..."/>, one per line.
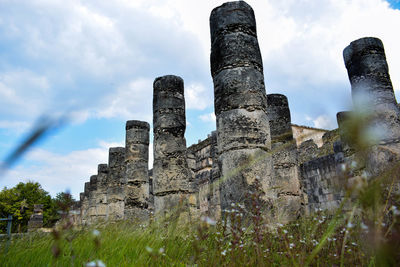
<point x="96" y="61"/>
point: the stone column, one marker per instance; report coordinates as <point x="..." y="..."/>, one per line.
<point x="36" y="220"/>
<point x="344" y="119"/>
<point x="279" y="118"/>
<point x="102" y="184"/>
<point x="170" y="170"/>
<point x="373" y="95"/>
<point x="243" y="133"/>
<point x="85" y="204"/>
<point x="286" y="178"/>
<point x="115" y="191"/>
<point x="137" y="170"/>
<point x="93" y="198"/>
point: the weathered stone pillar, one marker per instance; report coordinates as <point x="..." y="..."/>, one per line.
<point x="279" y="118"/>
<point x="137" y="170"/>
<point x="343" y="119"/>
<point x="170" y="169"/>
<point x="286" y="178"/>
<point x="243" y="133"/>
<point x="85" y="204"/>
<point x="93" y="198"/>
<point x="373" y="95"/>
<point x="102" y="184"/>
<point x="115" y="191"/>
<point x="36" y="220"/>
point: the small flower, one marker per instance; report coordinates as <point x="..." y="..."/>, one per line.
<point x="285" y="231"/>
<point x="95" y="263"/>
<point x="364" y="226"/>
<point x="353" y="164"/>
<point x="343" y="167"/>
<point x="149" y="249"/>
<point x="208" y="220"/>
<point x="395" y="210"/>
<point x="280" y="225"/>
<point x="95" y="232"/>
<point x="223" y="253"/>
<point x="291" y="245"/>
<point x="161" y="250"/>
<point x="349" y="225"/>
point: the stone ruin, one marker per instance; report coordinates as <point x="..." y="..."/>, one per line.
<point x="36" y="220"/>
<point x="253" y="147"/>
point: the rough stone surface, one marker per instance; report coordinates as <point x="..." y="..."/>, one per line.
<point x="279" y="118"/>
<point x="36" y="220"/>
<point x="115" y="190"/>
<point x="255" y="146"/>
<point x="373" y="94"/>
<point x="243" y="133"/>
<point x="171" y="175"/>
<point x="136" y="170"/>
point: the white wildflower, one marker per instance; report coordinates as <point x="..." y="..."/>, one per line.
<point x="349" y="225"/>
<point x="291" y="245"/>
<point x="395" y="210"/>
<point x="223" y="253"/>
<point x="161" y="250"/>
<point x="95" y="263"/>
<point x="364" y="226"/>
<point x="95" y="232"/>
<point x="208" y="220"/>
<point x="149" y="249"/>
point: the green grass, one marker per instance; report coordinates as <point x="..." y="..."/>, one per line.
<point x="318" y="240"/>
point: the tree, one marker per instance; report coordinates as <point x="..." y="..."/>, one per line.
<point x="18" y="202"/>
<point x="64" y="202"/>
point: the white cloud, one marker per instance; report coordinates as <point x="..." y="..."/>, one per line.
<point x="131" y="100"/>
<point x="58" y="172"/>
<point x="23" y="92"/>
<point x="14" y="126"/>
<point x="198" y="97"/>
<point x="324" y="122"/>
<point x="209" y="117"/>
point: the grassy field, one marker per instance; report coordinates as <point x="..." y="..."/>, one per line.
<point x="341" y="239"/>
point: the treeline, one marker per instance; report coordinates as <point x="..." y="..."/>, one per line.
<point x="19" y="200"/>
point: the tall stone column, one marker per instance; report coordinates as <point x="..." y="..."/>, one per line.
<point x="85" y="204"/>
<point x="279" y="118"/>
<point x="102" y="184"/>
<point x="93" y="198"/>
<point x="170" y="169"/>
<point x="137" y="170"/>
<point x="373" y="95"/>
<point x="115" y="190"/>
<point x="286" y="178"/>
<point x="243" y="133"/>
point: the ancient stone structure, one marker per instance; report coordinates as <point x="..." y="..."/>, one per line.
<point x="255" y="146"/>
<point x="373" y="96"/>
<point x="36" y="220"/>
<point x="285" y="179"/>
<point x="171" y="176"/>
<point x="243" y="134"/>
<point x="115" y="189"/>
<point x="136" y="178"/>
